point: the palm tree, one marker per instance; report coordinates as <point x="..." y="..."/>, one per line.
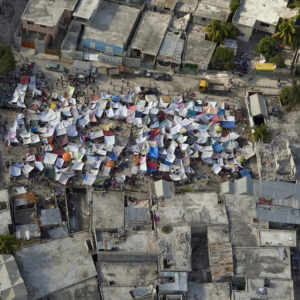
<point x="216" y="31"/>
<point x="8" y="243"/>
<point x="260" y="133"/>
<point x="286" y="31"/>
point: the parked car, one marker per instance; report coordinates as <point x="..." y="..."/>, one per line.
<point x="143" y="73"/>
<point x="162" y="76"/>
<point x="55" y="67"/>
<point x="148" y="91"/>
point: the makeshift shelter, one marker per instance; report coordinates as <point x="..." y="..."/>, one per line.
<point x="162" y="188"/>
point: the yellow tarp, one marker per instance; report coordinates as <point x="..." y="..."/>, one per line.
<point x="52" y="105"/>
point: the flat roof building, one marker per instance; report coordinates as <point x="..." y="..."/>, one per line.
<point x="85" y="10"/>
<point x="277" y="289"/>
<point x="11" y="283"/>
<point x="198" y="52"/>
<point x="5" y="214"/>
<point x="174" y="247"/>
<point x="149" y="36"/>
<point x="45" y="17"/>
<point x="186" y="7"/>
<point x="279" y="238"/>
<point x="111" y="29"/>
<point x="108" y="210"/>
<point x="194" y="209"/>
<point x="208" y="10"/>
<point x="260" y="15"/>
<point x="126" y="274"/>
<point x="263" y="262"/>
<point x="55" y="265"/>
<point x="208" y="291"/>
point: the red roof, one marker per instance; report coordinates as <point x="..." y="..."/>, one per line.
<point x="24" y="80"/>
<point x="108" y="133"/>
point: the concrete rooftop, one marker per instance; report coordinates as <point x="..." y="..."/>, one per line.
<point x="195" y="209"/>
<point x="186" y="6"/>
<point x="217" y="10"/>
<point x="175" y="246"/>
<point x="45" y="12"/>
<point x="120" y="293"/>
<point x="278" y="290"/>
<point x="87" y="289"/>
<point x="85" y="9"/>
<point x="268" y="12"/>
<point x="151" y="32"/>
<point x="112" y="24"/>
<point x="5" y="215"/>
<point x="127" y="273"/>
<point x="51" y="266"/>
<point x="273" y="237"/>
<point x="198" y="50"/>
<point x="263" y="262"/>
<point x="108" y="210"/>
<point x="208" y="291"/>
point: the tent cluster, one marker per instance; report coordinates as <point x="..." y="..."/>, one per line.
<point x="163" y="134"/>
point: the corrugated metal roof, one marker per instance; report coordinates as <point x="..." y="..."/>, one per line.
<point x="137" y="215"/>
<point x="171" y="48"/>
<point x="220" y="259"/>
<point x="278" y="214"/>
<point x="258" y="105"/>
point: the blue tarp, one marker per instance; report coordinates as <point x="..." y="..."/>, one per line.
<point x="227" y="124"/>
<point x="245" y="173"/>
<point x="113" y="156"/>
<point x="115" y="98"/>
<point x="138" y="114"/>
<point x="221" y="111"/>
<point x="217" y="147"/>
<point x="153" y="152"/>
<point x="167" y="163"/>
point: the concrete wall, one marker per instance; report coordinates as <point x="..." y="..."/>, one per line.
<point x="271" y="29"/>
<point x="102" y="46"/>
<point x="131" y="62"/>
<point x="200" y="20"/>
<point x="53" y="31"/>
<point x="245" y="31"/>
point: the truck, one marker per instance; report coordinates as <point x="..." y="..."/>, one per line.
<point x="115" y="71"/>
<point x="84" y="68"/>
<point x="209" y="87"/>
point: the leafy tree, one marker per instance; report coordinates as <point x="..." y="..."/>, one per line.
<point x="7" y="61"/>
<point x="223" y="59"/>
<point x="266" y="47"/>
<point x="261" y="133"/>
<point x="278" y="61"/>
<point x="8" y="243"/>
<point x="290" y="95"/>
<point x="215" y="31"/>
<point x="231" y="31"/>
<point x="234" y="5"/>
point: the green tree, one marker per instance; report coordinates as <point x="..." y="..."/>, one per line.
<point x="8" y="243"/>
<point x="7" y="61"/>
<point x="234" y="5"/>
<point x="286" y="31"/>
<point x="222" y="59"/>
<point x="260" y="133"/>
<point x="278" y="61"/>
<point x="231" y="31"/>
<point x="266" y="47"/>
<point x="290" y="95"/>
<point x="215" y="31"/>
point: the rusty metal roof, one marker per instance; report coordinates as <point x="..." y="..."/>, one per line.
<point x="220" y="259"/>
